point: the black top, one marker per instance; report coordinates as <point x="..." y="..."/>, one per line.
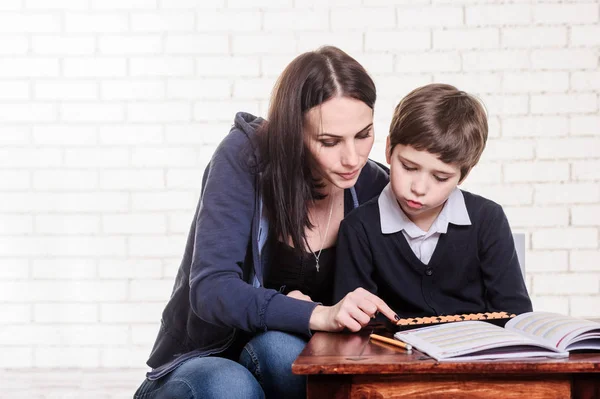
<point x="290" y="271"/>
<point x="474" y="268"/>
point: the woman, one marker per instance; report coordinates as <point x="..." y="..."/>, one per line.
<point x="256" y="276"/>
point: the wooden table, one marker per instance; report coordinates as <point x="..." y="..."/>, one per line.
<point x="351" y="366"/>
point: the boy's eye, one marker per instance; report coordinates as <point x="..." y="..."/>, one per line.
<point x="406" y="167"/>
<point x="441" y="179"/>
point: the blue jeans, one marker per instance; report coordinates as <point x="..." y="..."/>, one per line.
<point x="264" y="369"/>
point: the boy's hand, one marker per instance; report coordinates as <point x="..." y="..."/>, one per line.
<point x="299" y="295"/>
<point x="353" y="312"/>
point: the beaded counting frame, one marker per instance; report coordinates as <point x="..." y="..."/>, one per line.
<point x="498" y="318"/>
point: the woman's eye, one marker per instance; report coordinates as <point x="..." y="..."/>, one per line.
<point x="364" y="135"/>
<point x="326" y="143"/>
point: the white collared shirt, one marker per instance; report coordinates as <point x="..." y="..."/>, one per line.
<point x="393" y="219"/>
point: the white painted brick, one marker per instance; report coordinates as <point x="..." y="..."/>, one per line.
<point x="64" y="269"/>
<point x="485" y="172"/>
<point x="63" y="291"/>
<point x="534" y="126"/>
<point x="330" y="3"/>
<point x="563" y="103"/>
<point x="150" y="290"/>
<point x="564" y="283"/>
<point x="362" y="18"/>
<point x="228" y="66"/>
<point x="66" y="357"/>
<point x="94" y="158"/>
<point x="14" y="135"/>
<point x="17" y="157"/>
<point x="14" y="269"/>
<point x="63" y="246"/>
<point x="14" y="45"/>
<point x="129" y="269"/>
<point x="130" y="45"/>
<point x="585" y="81"/>
<point x="201" y="133"/>
<point x="159" y="112"/>
<point x="16" y="357"/>
<point x="65" y="313"/>
<point x="28" y="67"/>
<point x="144" y="334"/>
<point x="273" y="65"/>
<point x="14" y="90"/>
<point x="198" y="89"/>
<point x="397" y="41"/>
<point x="533" y="217"/>
<point x="567" y="193"/>
<point x="75" y="180"/>
<point x="466" y="39"/>
<point x="585" y="306"/>
<point x="170" y="267"/>
<point x="506" y="149"/>
<point x="495" y="60"/>
<point x="67" y="224"/>
<point x="193" y="4"/>
<point x="546" y="261"/>
<point x="95" y="23"/>
<point x="350" y="42"/>
<point x="65" y="202"/>
<point x="587" y="215"/>
<point x="159" y="157"/>
<point x="165" y="201"/>
<point x="197" y="44"/>
<point x="131" y="134"/>
<point x="11" y="5"/>
<point x="146" y="223"/>
<point x="184" y="178"/>
<point x="538" y="171"/>
<point x="179" y="222"/>
<point x="259" y="4"/>
<point x="567" y="148"/>
<point x="528" y="82"/>
<point x="66" y="90"/>
<point x="131" y="313"/>
<point x="228" y="21"/>
<point x="506" y="104"/>
<point x="505" y="14"/>
<point x="59" y="5"/>
<point x="123" y="356"/>
<point x="377" y="63"/>
<point x="533" y="37"/>
<point x="133" y="90"/>
<point x="123" y="4"/>
<point x="565" y="238"/>
<point x="64" y="135"/>
<point x="161" y="66"/>
<point x="584" y="260"/>
<point x="586" y="36"/>
<point x="565" y="13"/>
<point x="29" y="23"/>
<point x="162" y="22"/>
<point x="438" y="16"/>
<point x="92" y="112"/>
<point x="394" y="87"/>
<point x="258" y="44"/>
<point x="14" y="314"/>
<point x="295" y="20"/>
<point x="555" y="304"/>
<point x="253" y="88"/>
<point x="14" y="180"/>
<point x="568" y="59"/>
<point x="71" y="335"/>
<point x="94" y="67"/>
<point x="475" y="83"/>
<point x="63" y="45"/>
<point x="27" y="112"/>
<point x="127" y="179"/>
<point x="223" y="110"/>
<point x="586" y="170"/>
<point x="428" y="62"/>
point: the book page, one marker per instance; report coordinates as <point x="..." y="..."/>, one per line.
<point x="556" y="330"/>
<point x="451" y="340"/>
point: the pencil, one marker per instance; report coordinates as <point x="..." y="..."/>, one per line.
<point x="390" y="341"/>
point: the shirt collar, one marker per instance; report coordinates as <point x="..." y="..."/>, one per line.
<point x="393" y="219"/>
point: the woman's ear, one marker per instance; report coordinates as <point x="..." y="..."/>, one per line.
<point x="388" y="154"/>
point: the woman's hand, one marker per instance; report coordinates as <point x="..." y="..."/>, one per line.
<point x="353" y="312"/>
<point x="299" y="295"/>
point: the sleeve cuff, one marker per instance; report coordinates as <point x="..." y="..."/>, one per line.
<point x="289" y="314"/>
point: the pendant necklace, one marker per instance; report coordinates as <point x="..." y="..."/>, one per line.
<point x="315" y="254"/>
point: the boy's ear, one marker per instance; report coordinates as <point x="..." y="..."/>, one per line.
<point x="388" y="156"/>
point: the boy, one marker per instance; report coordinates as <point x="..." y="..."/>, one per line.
<point x="424" y="246"/>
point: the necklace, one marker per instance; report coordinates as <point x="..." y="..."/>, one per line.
<point x="315" y="254"/>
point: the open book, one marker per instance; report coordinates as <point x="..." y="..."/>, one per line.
<point x="532" y="334"/>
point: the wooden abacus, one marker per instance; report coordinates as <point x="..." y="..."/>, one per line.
<point x="498" y="318"/>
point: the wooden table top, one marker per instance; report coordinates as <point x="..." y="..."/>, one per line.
<point x="345" y="353"/>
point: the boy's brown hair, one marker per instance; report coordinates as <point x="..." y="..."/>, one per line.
<point x="442" y="120"/>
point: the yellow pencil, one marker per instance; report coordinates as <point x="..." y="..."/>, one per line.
<point x="390" y="341"/>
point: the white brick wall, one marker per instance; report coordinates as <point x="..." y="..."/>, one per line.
<point x="109" y="110"/>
